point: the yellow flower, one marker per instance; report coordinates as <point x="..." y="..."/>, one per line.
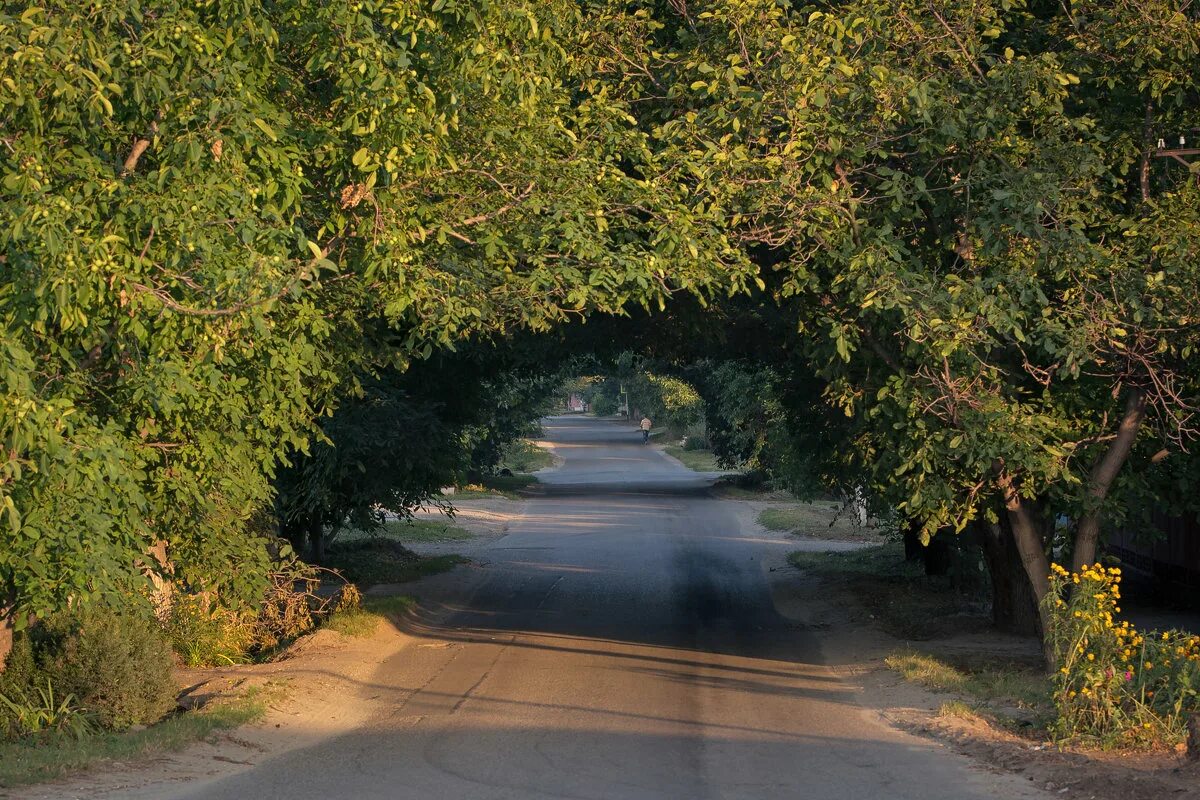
<point x="1091" y="656"/>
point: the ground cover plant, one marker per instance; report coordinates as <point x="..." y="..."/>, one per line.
<point x="820" y="520"/>
<point x="33" y="760"/>
<point x="993" y="686"/>
<point x="896" y="592"/>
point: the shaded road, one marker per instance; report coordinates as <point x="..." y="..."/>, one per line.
<point x="620" y="642"/>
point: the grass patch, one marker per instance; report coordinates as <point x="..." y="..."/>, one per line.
<point x="996" y="681"/>
<point x="392" y="605"/>
<point x="425" y="530"/>
<point x="820" y="520"/>
<point x="957" y="708"/>
<point x="23" y="763"/>
<point x="510" y="486"/>
<point x="367" y="562"/>
<point x="697" y="460"/>
<point x="896" y="592"/>
<point x="523" y="456"/>
<point x="363" y="620"/>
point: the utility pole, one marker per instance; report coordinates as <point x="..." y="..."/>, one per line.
<point x="1188" y="156"/>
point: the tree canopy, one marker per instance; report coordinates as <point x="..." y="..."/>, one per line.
<point x="223" y="221"/>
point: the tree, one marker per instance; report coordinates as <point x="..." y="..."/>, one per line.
<point x="207" y="212"/>
<point x="954" y="209"/>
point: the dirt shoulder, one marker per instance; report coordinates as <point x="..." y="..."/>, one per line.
<point x="854" y="645"/>
<point x="320" y="688"/>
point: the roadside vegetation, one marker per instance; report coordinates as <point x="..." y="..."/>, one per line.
<point x="523" y="457"/>
<point x="424" y="530"/>
<point x="53" y="753"/>
<point x="1014" y="694"/>
<point x="272" y="272"/>
<point x="815" y="520"/>
<point x="698" y="459"/>
<point x="380" y="560"/>
<point x="510" y="477"/>
<point x="363" y="620"/>
<point x="895" y="592"/>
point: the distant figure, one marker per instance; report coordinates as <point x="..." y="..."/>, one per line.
<point x="645" y="426"/>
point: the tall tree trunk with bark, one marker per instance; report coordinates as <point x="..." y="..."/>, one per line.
<point x="1104" y="472"/>
<point x="1025" y="521"/>
<point x="316" y="539"/>
<point x="6" y="634"/>
<point x="1014" y="609"/>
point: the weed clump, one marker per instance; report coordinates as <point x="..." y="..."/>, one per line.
<point x="1114" y="685"/>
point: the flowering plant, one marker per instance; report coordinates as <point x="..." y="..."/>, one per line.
<point x="1114" y="684"/>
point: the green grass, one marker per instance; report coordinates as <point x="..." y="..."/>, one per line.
<point x="994" y="686"/>
<point x="997" y="681"/>
<point x="363" y="621"/>
<point x="697" y="460"/>
<point x="23" y="763"/>
<point x="523" y="456"/>
<point x="959" y="709"/>
<point x="425" y="530"/>
<point x="820" y="520"/>
<point x="510" y="486"/>
<point x="367" y="562"/>
<point x="896" y="592"/>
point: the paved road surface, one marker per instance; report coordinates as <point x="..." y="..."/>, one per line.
<point x="621" y="643"/>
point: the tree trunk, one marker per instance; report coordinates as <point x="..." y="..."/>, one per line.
<point x="912" y="542"/>
<point x="1104" y="472"/>
<point x="295" y="532"/>
<point x="6" y="635"/>
<point x="1014" y="609"/>
<point x="937" y="556"/>
<point x="316" y="539"/>
<point x="1026" y="525"/>
<point x="860" y="506"/>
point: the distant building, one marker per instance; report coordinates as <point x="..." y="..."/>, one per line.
<point x="576" y="403"/>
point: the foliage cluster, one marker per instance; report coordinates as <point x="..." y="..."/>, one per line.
<point x="113" y="667"/>
<point x="205" y="632"/>
<point x="241" y="235"/>
<point x="217" y="218"/>
<point x="1116" y="685"/>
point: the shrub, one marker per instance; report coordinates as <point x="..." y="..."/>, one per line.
<point x="204" y="635"/>
<point x="116" y="666"/>
<point x="1115" y="685"/>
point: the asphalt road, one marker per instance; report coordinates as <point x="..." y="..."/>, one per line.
<point x="620" y="642"/>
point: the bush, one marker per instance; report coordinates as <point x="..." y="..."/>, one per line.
<point x="1114" y="685"/>
<point x="205" y="635"/>
<point x="117" y="667"/>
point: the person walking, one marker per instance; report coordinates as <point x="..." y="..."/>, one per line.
<point x="645" y="426"/>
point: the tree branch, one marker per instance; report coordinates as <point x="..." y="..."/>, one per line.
<point x="140" y="146"/>
<point x="1104" y="472"/>
<point x="958" y="41"/>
